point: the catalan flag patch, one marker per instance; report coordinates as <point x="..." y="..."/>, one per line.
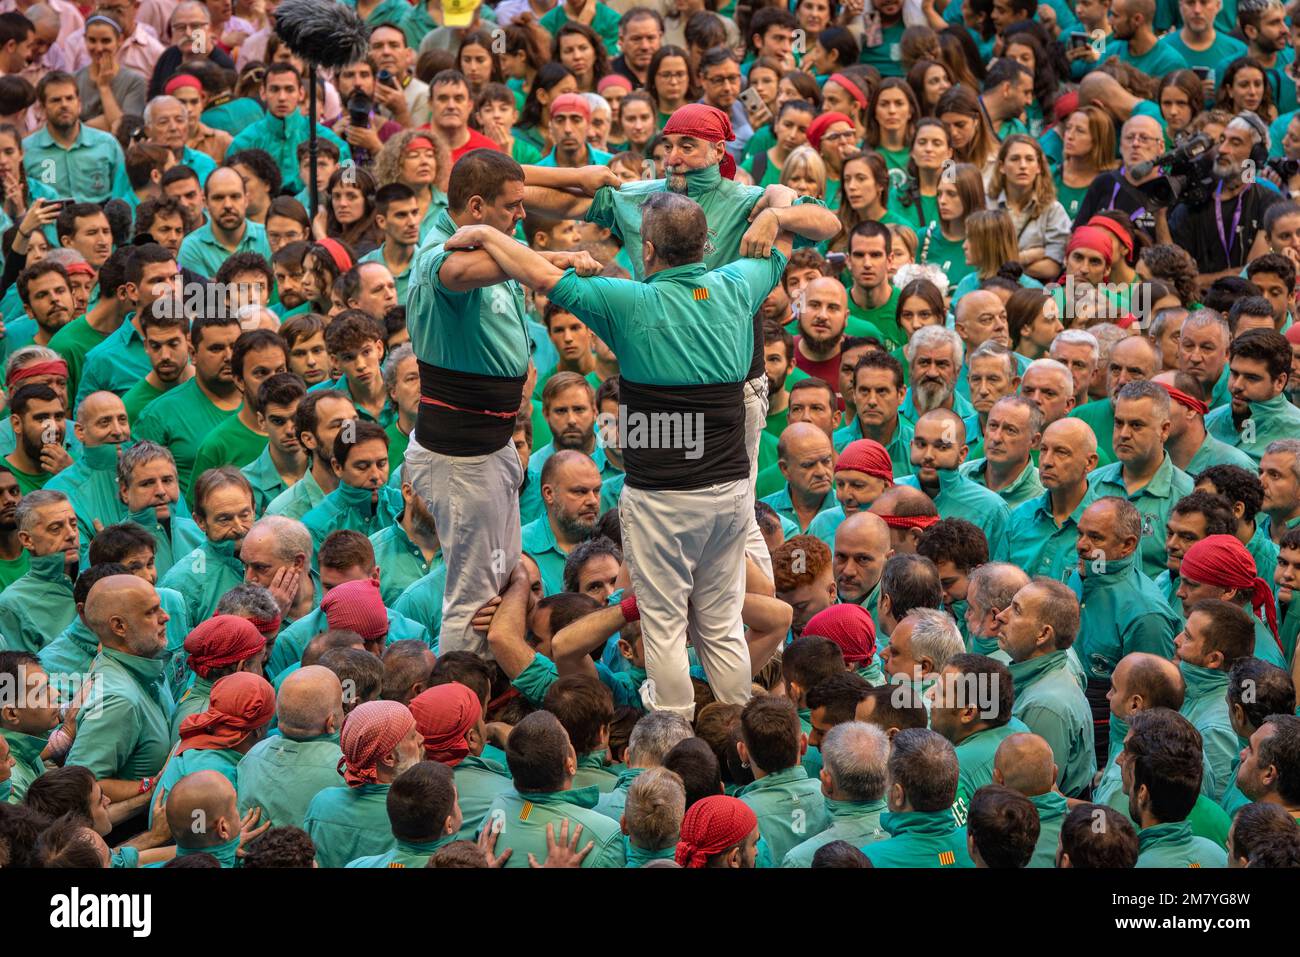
<point x="700" y="294"/>
<point x="947" y="859"/>
<point x="526" y="811"/>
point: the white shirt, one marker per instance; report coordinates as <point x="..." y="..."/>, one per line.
<point x="140" y="51"/>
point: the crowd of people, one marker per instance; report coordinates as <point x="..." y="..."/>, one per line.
<point x="824" y="434"/>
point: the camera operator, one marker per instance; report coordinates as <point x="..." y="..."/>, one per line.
<point x="356" y="86"/>
<point x="1226" y="232"/>
<point x="1141" y="140"/>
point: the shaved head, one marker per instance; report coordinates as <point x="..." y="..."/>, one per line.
<point x="799" y="438"/>
<point x="903" y="500"/>
<point x="1023" y="762"/>
<point x="114" y="610"/>
<point x="201" y="810"/>
<point x="308" y="701"/>
<point x="1076" y="432"/>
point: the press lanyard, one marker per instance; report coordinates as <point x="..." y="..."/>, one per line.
<point x="1224" y="241"/>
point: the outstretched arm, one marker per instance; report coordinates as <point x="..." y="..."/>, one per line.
<point x="482" y="256"/>
<point x="774" y="223"/>
<point x="563" y="192"/>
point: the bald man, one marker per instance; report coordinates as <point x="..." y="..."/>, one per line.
<point x="862" y="546"/>
<point x="281" y="774"/>
<point x="938" y="448"/>
<point x="1131" y="359"/>
<point x="981" y="316"/>
<point x="1044" y="530"/>
<point x="277" y="554"/>
<point x="570" y="487"/>
<point x="203" y="816"/>
<point x="91" y="482"/>
<point x="807" y="461"/>
<point x="1190" y="447"/>
<point x="913" y="509"/>
<point x="990" y="589"/>
<point x="823" y="316"/>
<point x="124" y="728"/>
<point x="1023" y="762"/>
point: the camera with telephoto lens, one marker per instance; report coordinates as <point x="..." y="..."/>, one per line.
<point x="1188" y="174"/>
<point x="1285" y="168"/>
<point x="360" y="107"/>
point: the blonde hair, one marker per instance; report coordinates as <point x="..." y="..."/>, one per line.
<point x="992" y="239"/>
<point x="806" y="160"/>
<point x="656" y="803"/>
<point x="1044" y="193"/>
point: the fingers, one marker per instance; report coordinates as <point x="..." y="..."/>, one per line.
<point x="505" y="856"/>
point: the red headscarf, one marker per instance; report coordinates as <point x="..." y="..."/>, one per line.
<point x="180" y="80"/>
<point x="1094" y="238"/>
<point x="850" y="627"/>
<point x="1115" y="229"/>
<point x="444" y="714"/>
<point x="706" y="123"/>
<point x="866" y="455"/>
<point x="369" y="733"/>
<point x="357" y="606"/>
<point x="337" y="253"/>
<point x="1223" y="561"/>
<point x="909" y="521"/>
<point x="33" y="369"/>
<point x="222" y="640"/>
<point x="1182" y="398"/>
<point x="571" y="103"/>
<point x="818" y="127"/>
<point x="240" y="704"/>
<point x="712" y="825"/>
<point x="1293" y="335"/>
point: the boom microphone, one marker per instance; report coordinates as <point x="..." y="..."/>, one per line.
<point x="329" y="34"/>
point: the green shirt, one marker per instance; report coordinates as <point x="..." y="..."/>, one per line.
<point x="280" y="137"/>
<point x="173" y="541"/>
<point x="1159" y="60"/>
<point x="73" y="342"/>
<point x="852" y="821"/>
<point x="204" y="575"/>
<point x="264" y="477"/>
<point x="116" y="364"/>
<point x="960" y="497"/>
<point x="1217" y="56"/>
<point x="1154" y="501"/>
<point x="298" y="499"/>
<point x="524" y="816"/>
<point x="422" y="600"/>
<point x="92" y="170"/>
<point x="1269" y="421"/>
<point x="233" y="115"/>
<point x="293" y="641"/>
<point x="404" y="854"/>
<point x="91" y="486"/>
<point x="351" y="507"/>
<point x="604" y="22"/>
<point x="180" y="421"/>
<point x="12" y="569"/>
<point x="201" y="251"/>
<point x="1206" y="707"/>
<point x="138" y="396"/>
<point x="349" y="822"/>
<point x="478" y="782"/>
<point x="887" y="56"/>
<point x="230" y="443"/>
<point x="1038" y="545"/>
<point x="1100" y="417"/>
<point x="124" y="728"/>
<point x="401" y="280"/>
<point x="38" y="606"/>
<point x="920" y="839"/>
<point x="401" y="560"/>
<point x="1050" y="702"/>
<point x="975" y="761"/>
<point x="899" y="446"/>
<point x="539" y="543"/>
<point x="26" y="751"/>
<point x="790" y="808"/>
<point x="784" y="507"/>
<point x="1122" y="612"/>
<point x="282" y="775"/>
<point x="1052" y="809"/>
<point x="195" y="700"/>
<point x="1025" y="487"/>
<point x="1214" y="452"/>
<point x="593" y="772"/>
<point x="1174" y="845"/>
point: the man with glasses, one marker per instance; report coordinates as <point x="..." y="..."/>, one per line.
<point x="1141" y="139"/>
<point x="720" y="77"/>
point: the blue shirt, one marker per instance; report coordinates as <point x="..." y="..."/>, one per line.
<point x="201" y="252"/>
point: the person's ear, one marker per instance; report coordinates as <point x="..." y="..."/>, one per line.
<point x="743" y="752"/>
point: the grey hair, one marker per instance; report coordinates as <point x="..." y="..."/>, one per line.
<point x="1128" y="520"/>
<point x="1060" y="609"/>
<point x="856" y="755"/>
<point x="991" y="347"/>
<point x="165" y="100"/>
<point x="141" y="453"/>
<point x="1287" y="447"/>
<point x="935" y="636"/>
<point x="28" y="355"/>
<point x="1108" y="334"/>
<point x="1207" y="317"/>
<point x="189" y="5"/>
<point x="249" y="601"/>
<point x="33" y="502"/>
<point x="1036" y="419"/>
<point x="395" y="359"/>
<point x="1164" y="317"/>
<point x="290" y="536"/>
<point x="654" y="736"/>
<point x="991" y="586"/>
<point x="928" y="336"/>
<point x="1146" y="389"/>
<point x="598" y="104"/>
<point x="1052" y="365"/>
<point x="1077" y="337"/>
<point x="65" y="256"/>
<point x="42" y="13"/>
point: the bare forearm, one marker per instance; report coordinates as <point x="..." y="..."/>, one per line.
<point x="815" y="223"/>
<point x="523" y="264"/>
<point x="506" y="634"/>
<point x="554" y="201"/>
<point x="125" y="793"/>
<point x="574" y="643"/>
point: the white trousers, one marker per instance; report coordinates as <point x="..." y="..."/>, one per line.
<point x="755" y="420"/>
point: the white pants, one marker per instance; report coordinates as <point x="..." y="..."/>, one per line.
<point x="685" y="553"/>
<point x="755" y="420"/>
<point x="475" y="505"/>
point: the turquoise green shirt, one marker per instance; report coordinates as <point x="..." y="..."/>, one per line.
<point x="790" y="808"/>
<point x="1205" y="705"/>
<point x="124" y="728"/>
<point x="920" y="839"/>
<point x="349" y="822"/>
<point x="92" y="170"/>
<point x="194" y="700"/>
<point x="887" y="57"/>
<point x="1051" y="703"/>
<point x="1100" y="417"/>
<point x="899" y="446"/>
<point x="1217" y="56"/>
<point x="852" y="821"/>
<point x="401" y="280"/>
<point x="282" y="775"/>
<point x="1025" y="487"/>
<point x="280" y="137"/>
<point x="1174" y="845"/>
<point x="1214" y="452"/>
<point x="604" y="22"/>
<point x="204" y="575"/>
<point x="180" y="420"/>
<point x="524" y="816"/>
<point x="26" y="751"/>
<point x="1157" y="61"/>
<point x="293" y="640"/>
<point x="353" y="508"/>
<point x="1122" y="612"/>
<point x="594" y="772"/>
<point x="421" y="601"/>
<point x="233" y="115"/>
<point x="222" y="760"/>
<point x="401" y="560"/>
<point x="265" y="479"/>
<point x="201" y="252"/>
<point x="38" y="606"/>
<point x="1040" y="546"/>
<point x="975" y="760"/>
<point x="298" y="499"/>
<point x="960" y="497"/>
<point x="1154" y="501"/>
<point x="1269" y="421"/>
<point x="1052" y="809"/>
<point x="404" y="854"/>
<point x="784" y="506"/>
<point x="539" y="544"/>
<point x="478" y="782"/>
<point x="91" y="486"/>
<point x="116" y="364"/>
<point x="173" y="541"/>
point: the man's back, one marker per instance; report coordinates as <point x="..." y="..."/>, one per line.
<point x="282" y="776"/>
<point x="524" y="818"/>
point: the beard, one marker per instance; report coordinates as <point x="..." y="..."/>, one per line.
<point x="422" y="519"/>
<point x="776" y="385"/>
<point x="821" y="343"/>
<point x="677" y="183"/>
<point x="33" y="448"/>
<point x="931" y="395"/>
<point x="574" y="527"/>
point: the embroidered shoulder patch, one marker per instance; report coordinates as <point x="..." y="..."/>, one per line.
<point x="700" y="294"/>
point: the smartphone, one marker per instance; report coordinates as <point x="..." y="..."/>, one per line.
<point x="388" y="79"/>
<point x="753" y="102"/>
<point x="1079" y="40"/>
<point x="836" y="261"/>
<point x="1204" y="72"/>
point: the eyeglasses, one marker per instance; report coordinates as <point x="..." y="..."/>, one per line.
<point x="1140" y="138"/>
